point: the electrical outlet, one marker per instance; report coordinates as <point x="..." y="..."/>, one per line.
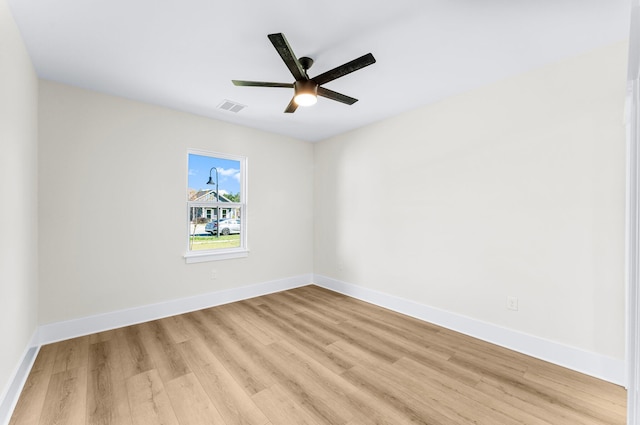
<point x="214" y="274"/>
<point x="512" y="303"/>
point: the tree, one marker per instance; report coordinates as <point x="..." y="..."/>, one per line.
<point x="233" y="197"/>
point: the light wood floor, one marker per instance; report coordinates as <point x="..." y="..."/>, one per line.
<point x="304" y="356"/>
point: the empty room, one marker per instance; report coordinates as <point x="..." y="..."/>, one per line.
<point x="347" y="213"/>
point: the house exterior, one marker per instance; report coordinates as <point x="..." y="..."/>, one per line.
<point x="210" y="212"/>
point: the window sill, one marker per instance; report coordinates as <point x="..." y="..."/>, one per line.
<point x="201" y="257"/>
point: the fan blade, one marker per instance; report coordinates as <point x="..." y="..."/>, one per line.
<point x="291" y="107"/>
<point x="260" y="84"/>
<point x="345" y="69"/>
<point x="287" y="55"/>
<point x="330" y="94"/>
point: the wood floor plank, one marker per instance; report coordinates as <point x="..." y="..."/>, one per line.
<point x="163" y="351"/>
<point x="528" y="406"/>
<point x="538" y="405"/>
<point x="306" y="337"/>
<point x="306" y="383"/>
<point x="102" y="336"/>
<point x="72" y="353"/>
<point x="398" y="344"/>
<point x="459" y="374"/>
<point x="304" y="330"/>
<point x="322" y="398"/>
<point x="475" y="404"/>
<point x="467" y="347"/>
<point x="259" y="329"/>
<point x="600" y="402"/>
<point x="371" y="346"/>
<point x="226" y="394"/>
<point x="326" y="312"/>
<point x="278" y="302"/>
<point x="395" y="398"/>
<point x="353" y="309"/>
<point x="571" y="382"/>
<point x="243" y="365"/>
<point x="588" y="412"/>
<point x="281" y="409"/>
<point x="243" y="355"/>
<point x="107" y="401"/>
<point x="303" y="356"/>
<point x="178" y="328"/>
<point x="191" y="403"/>
<point x="134" y="355"/>
<point x="149" y="401"/>
<point x="296" y="326"/>
<point x="429" y="400"/>
<point x="65" y="402"/>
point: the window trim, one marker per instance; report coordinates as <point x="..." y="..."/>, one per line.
<point x="228" y="253"/>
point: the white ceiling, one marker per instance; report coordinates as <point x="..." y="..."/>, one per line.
<point x="183" y="54"/>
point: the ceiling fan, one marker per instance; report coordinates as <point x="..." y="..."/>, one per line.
<point x="307" y="89"/>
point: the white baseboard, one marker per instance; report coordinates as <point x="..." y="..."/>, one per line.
<point x="59" y="331"/>
<point x="9" y="396"/>
<point x="603" y="367"/>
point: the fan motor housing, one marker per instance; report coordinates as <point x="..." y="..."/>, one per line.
<point x="306" y="62"/>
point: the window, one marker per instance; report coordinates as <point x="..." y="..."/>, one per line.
<point x="216" y="206"/>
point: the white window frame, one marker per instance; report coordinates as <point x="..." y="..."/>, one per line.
<point x="228" y="253"/>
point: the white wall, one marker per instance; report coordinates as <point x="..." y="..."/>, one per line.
<point x="513" y="189"/>
<point x="18" y="198"/>
<point x="113" y="204"/>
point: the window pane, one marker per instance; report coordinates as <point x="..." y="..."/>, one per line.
<point x="215" y="202"/>
<point x="213" y="179"/>
<point x="208" y="233"/>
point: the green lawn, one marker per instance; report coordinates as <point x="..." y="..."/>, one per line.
<point x="199" y="243"/>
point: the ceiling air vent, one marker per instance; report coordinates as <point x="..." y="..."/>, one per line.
<point x="231" y="106"/>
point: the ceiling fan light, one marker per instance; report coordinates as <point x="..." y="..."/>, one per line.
<point x="305" y="99"/>
<point x="306" y="93"/>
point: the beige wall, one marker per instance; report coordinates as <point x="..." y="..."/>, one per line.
<point x="18" y="197"/>
<point x="513" y="189"/>
<point x="113" y="204"/>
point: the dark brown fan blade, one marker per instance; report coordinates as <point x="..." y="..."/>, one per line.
<point x="291" y="107"/>
<point x="330" y="94"/>
<point x="287" y="55"/>
<point x="345" y="69"/>
<point x="260" y="84"/>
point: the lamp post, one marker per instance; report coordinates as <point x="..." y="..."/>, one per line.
<point x="217" y="199"/>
